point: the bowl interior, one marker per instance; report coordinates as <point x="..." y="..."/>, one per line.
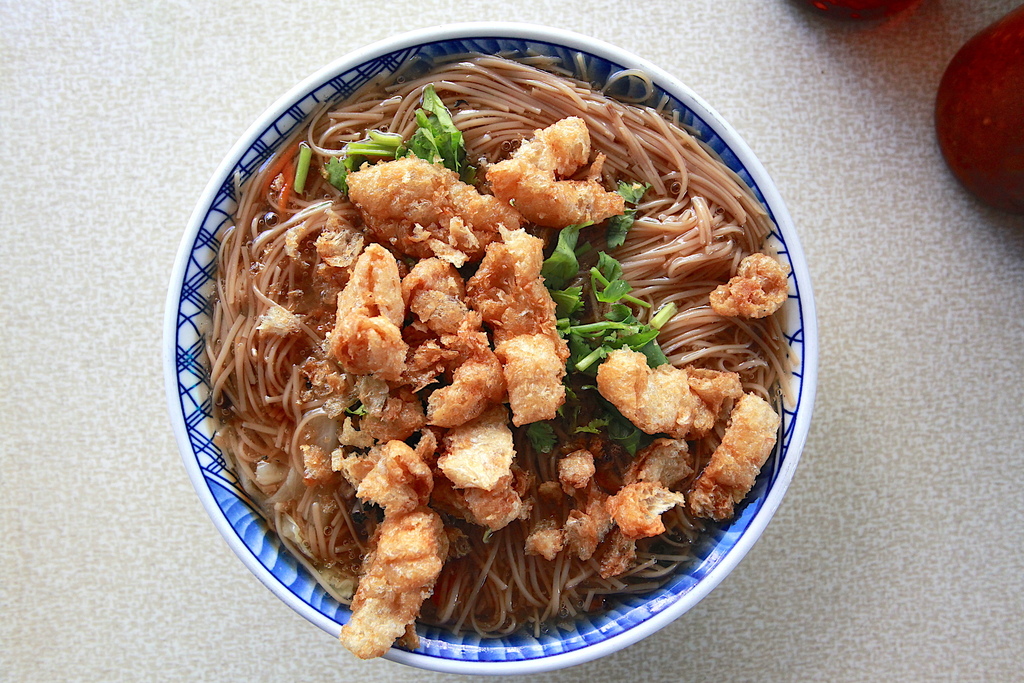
<point x="188" y="317"/>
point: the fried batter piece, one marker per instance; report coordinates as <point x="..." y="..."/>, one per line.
<point x="339" y="243"/>
<point x="618" y="555"/>
<point x="278" y="321"/>
<point x="506" y="502"/>
<point x="637" y="508"/>
<point x="589" y="523"/>
<point x="665" y="462"/>
<point x="713" y="388"/>
<point x="398" y="575"/>
<point x="758" y="289"/>
<point x="576" y="469"/>
<point x="533" y="179"/>
<point x="399" y="481"/>
<point x="509" y="293"/>
<point x="424" y="210"/>
<point x="533" y="369"/>
<point x="493" y="509"/>
<point x="316" y="464"/>
<point x="661" y="400"/>
<point x="735" y="464"/>
<point x="367" y="337"/>
<point x="479" y="453"/>
<point x="477" y="382"/>
<point x="425" y="362"/>
<point x="401" y="415"/>
<point x="508" y="290"/>
<point x="434" y="291"/>
<point x="546" y="540"/>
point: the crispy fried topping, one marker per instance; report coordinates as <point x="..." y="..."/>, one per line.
<point x="661" y="400"/>
<point x="367" y="337"/>
<point x="534" y="179"/>
<point x="758" y="289"/>
<point x="735" y="464"/>
<point x="424" y="210"/>
<point x="398" y="575"/>
<point x="637" y="508"/>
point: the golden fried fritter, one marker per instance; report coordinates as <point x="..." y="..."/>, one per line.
<point x="425" y="362"/>
<point x="424" y="210"/>
<point x="735" y="464"/>
<point x="400" y="417"/>
<point x="589" y="523"/>
<point x="637" y="508"/>
<point x="434" y="291"/>
<point x="713" y="388"/>
<point x="508" y="290"/>
<point x="367" y="337"/>
<point x="618" y="554"/>
<point x="278" y="321"/>
<point x="758" y="289"/>
<point x="399" y="481"/>
<point x="533" y="180"/>
<point x="497" y="508"/>
<point x="509" y="293"/>
<point x="477" y="382"/>
<point x="339" y="243"/>
<point x="479" y="453"/>
<point x="661" y="400"/>
<point x="546" y="540"/>
<point x="576" y="469"/>
<point x="398" y="575"/>
<point x="664" y="461"/>
<point x="533" y="371"/>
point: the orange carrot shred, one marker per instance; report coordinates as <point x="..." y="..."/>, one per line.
<point x="289" y="182"/>
<point x="278" y="165"/>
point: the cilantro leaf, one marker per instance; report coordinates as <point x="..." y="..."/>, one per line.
<point x="618" y="226"/>
<point x="437" y="139"/>
<point x="624" y="432"/>
<point x="615" y="290"/>
<point x="593" y="427"/>
<point x="655" y="356"/>
<point x="358" y="409"/>
<point x="610" y="268"/>
<point x="633" y="192"/>
<point x="336" y="173"/>
<point x="568" y="301"/>
<point x="606" y="282"/>
<point x="542" y="436"/>
<point x="377" y="144"/>
<point x="562" y="265"/>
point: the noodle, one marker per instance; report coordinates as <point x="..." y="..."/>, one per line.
<point x="692" y="229"/>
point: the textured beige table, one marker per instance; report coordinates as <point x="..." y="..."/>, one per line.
<point x="897" y="554"/>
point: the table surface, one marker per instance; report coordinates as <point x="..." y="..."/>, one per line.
<point x="897" y="553"/>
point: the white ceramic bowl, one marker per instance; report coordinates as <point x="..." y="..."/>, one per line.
<point x="188" y="316"/>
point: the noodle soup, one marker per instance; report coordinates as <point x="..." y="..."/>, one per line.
<point x="300" y="429"/>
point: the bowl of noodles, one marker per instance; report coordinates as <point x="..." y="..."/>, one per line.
<point x="490" y="348"/>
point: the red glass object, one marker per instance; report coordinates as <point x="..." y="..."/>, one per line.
<point x="979" y="114"/>
<point x="859" y="9"/>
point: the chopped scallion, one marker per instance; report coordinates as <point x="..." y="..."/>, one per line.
<point x="302" y="167"/>
<point x="663" y="315"/>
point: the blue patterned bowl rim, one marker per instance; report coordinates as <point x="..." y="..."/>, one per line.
<point x="186" y="377"/>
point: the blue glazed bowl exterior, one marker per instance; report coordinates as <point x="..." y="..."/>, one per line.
<point x="625" y="620"/>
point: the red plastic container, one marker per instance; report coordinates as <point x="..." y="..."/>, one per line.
<point x="859" y="9"/>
